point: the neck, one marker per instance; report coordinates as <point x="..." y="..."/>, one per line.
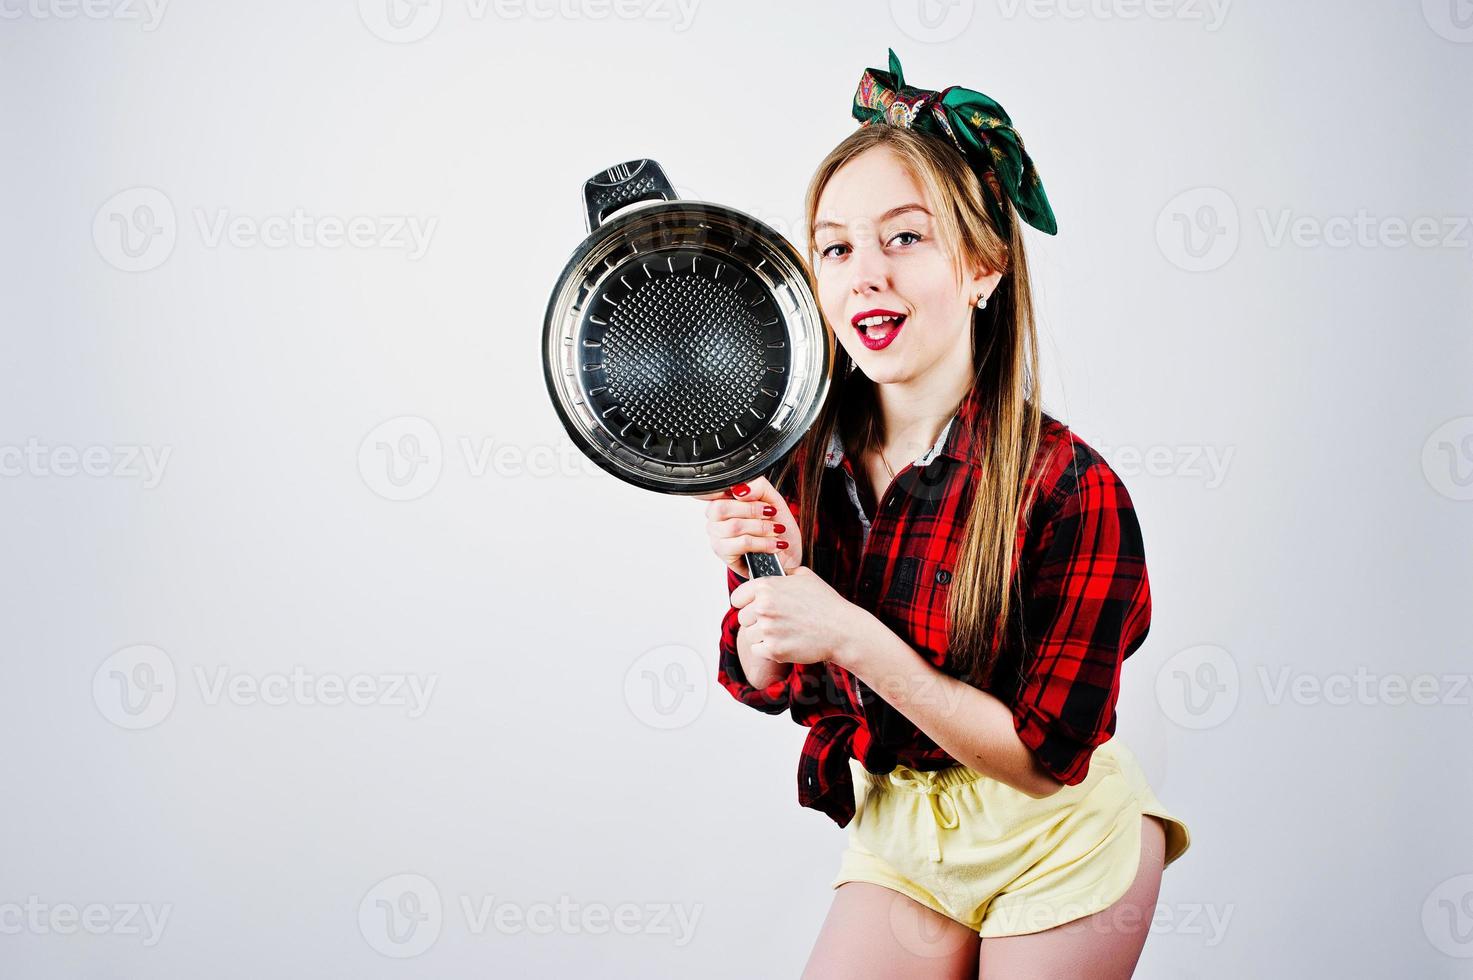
<point x="913" y="413"/>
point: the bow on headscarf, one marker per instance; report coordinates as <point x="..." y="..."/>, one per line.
<point x="976" y="125"/>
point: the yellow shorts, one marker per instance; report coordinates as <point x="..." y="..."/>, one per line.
<point x="995" y="859"/>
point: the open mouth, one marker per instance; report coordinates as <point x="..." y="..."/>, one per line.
<point x="879" y="330"/>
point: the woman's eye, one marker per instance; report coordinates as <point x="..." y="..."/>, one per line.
<point x="899" y="234"/>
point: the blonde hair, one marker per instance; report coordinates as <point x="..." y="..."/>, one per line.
<point x="982" y="608"/>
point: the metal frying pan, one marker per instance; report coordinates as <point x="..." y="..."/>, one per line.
<point x="683" y="347"/>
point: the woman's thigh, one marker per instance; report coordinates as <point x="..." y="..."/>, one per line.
<point x="1105" y="945"/>
<point x="873" y="932"/>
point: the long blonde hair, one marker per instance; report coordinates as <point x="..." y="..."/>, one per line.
<point x="982" y="607"/>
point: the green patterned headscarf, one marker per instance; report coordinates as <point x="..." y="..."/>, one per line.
<point x="976" y="125"/>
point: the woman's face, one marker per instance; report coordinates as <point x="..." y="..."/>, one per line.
<point x="878" y="255"/>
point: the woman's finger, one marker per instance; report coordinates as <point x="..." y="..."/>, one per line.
<point x="744" y="544"/>
<point x="725" y="509"/>
<point x="745" y="525"/>
<point x="757" y="488"/>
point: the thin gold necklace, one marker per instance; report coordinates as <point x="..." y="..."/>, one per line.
<point x="886" y="463"/>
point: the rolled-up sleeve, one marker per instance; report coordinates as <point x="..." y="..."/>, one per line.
<point x="1088" y="607"/>
<point x="772" y="699"/>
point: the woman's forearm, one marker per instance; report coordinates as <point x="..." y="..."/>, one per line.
<point x="974" y="727"/>
<point x="760" y="671"/>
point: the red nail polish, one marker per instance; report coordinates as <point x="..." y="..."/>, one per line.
<point x="741" y="490"/>
<point x="782" y="544"/>
<point x="768" y="510"/>
<point x="778" y="528"/>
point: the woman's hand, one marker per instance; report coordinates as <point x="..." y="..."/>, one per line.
<point x="752" y="517"/>
<point x="798" y="618"/>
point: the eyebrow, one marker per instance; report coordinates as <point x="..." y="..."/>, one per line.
<point x="893" y="212"/>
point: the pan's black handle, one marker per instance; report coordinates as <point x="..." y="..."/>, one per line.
<point x="624" y="183"/>
<point x="760" y="564"/>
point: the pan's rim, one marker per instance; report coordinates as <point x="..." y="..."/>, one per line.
<point x="559" y="303"/>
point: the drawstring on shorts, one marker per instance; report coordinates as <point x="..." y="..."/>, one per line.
<point x="936" y="787"/>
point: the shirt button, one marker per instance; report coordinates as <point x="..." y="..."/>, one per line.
<point x="867" y="584"/>
<point x="942" y="576"/>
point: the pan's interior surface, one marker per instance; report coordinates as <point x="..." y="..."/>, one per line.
<point x="691" y="351"/>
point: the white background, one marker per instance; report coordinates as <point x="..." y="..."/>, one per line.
<point x="1233" y="280"/>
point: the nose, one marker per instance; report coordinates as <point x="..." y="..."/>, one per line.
<point x="870" y="271"/>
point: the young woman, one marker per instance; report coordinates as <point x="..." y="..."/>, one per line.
<point x="965" y="578"/>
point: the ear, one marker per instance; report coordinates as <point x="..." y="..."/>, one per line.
<point x="982" y="280"/>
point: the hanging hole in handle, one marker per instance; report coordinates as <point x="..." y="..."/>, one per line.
<point x="623" y="185"/>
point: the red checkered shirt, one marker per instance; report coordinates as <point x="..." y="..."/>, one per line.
<point x="1086" y="606"/>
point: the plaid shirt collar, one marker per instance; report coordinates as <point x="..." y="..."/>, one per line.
<point x="955" y="439"/>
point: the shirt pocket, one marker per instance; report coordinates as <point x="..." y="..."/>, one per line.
<point x="915" y="604"/>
